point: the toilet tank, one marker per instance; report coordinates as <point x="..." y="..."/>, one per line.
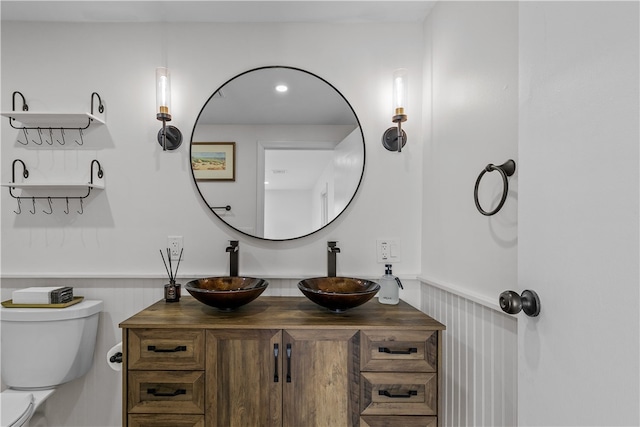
<point x="45" y="347"/>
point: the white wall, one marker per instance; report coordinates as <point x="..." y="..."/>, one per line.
<point x="347" y="164"/>
<point x="471" y="107"/>
<point x="287" y="212"/>
<point x="149" y="193"/>
<point x="470" y="120"/>
<point x="111" y="252"/>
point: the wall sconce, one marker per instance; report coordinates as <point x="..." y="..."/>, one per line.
<point x="395" y="138"/>
<point x="169" y="137"/>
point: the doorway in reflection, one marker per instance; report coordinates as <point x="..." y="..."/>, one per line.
<point x="298" y="190"/>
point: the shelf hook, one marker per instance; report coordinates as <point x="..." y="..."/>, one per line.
<point x="67" y="210"/>
<point x="45" y="139"/>
<point x="100" y="170"/>
<point x="81" y="211"/>
<point x="81" y="139"/>
<point x="32" y="140"/>
<point x="19" y="211"/>
<point x="50" y="207"/>
<point x="100" y="106"/>
<point x="25" y="107"/>
<point x="62" y="134"/>
<point x="34" y="205"/>
<point x="25" y="172"/>
<point x="26" y="137"/>
<point x="39" y="136"/>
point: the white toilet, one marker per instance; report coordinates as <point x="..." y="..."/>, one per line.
<point x="41" y="349"/>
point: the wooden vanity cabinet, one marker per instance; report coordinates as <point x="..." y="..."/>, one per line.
<point x="280" y="362"/>
<point x="282" y="377"/>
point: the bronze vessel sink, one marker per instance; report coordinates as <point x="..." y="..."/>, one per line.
<point x="338" y="293"/>
<point x="226" y="293"/>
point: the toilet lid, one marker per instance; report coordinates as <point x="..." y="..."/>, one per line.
<point x="16" y="408"/>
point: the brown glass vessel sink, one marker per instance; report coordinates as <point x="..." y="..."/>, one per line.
<point x="226" y="293"/>
<point x="338" y="293"/>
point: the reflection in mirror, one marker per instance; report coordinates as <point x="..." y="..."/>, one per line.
<point x="298" y="157"/>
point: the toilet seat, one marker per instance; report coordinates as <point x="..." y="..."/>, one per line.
<point x="17" y="408"/>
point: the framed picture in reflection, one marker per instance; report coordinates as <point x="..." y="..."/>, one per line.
<point x="213" y="161"/>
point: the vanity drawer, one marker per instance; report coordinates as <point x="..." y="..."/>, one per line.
<point x="399" y="351"/>
<point x="166" y="392"/>
<point x="396" y="393"/>
<point x="394" y="421"/>
<point x="171" y="349"/>
<point x="166" y="420"/>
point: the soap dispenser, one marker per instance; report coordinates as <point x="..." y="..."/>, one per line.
<point x="389" y="285"/>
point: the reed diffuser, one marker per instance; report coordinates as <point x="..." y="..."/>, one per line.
<point x="172" y="289"/>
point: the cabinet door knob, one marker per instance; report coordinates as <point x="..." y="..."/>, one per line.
<point x="512" y="303"/>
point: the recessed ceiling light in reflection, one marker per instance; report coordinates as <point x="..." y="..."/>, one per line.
<point x="281" y="88"/>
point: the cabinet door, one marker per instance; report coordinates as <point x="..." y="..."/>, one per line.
<point x="321" y="378"/>
<point x="244" y="378"/>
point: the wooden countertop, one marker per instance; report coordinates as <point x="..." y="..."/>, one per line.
<point x="280" y="313"/>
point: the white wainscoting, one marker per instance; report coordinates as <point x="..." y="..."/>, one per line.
<point x="480" y="360"/>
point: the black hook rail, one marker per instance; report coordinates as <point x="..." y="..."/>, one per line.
<point x="506" y="169"/>
<point x="99" y="173"/>
<point x="38" y="139"/>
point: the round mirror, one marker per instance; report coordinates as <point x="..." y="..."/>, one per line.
<point x="277" y="153"/>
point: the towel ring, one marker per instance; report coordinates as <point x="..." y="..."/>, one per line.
<point x="506" y="170"/>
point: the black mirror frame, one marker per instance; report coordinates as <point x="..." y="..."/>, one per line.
<point x="364" y="154"/>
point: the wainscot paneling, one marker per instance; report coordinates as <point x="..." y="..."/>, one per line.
<point x="480" y="360"/>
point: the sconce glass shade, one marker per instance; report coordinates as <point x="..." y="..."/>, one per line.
<point x="395" y="138"/>
<point x="169" y="137"/>
<point x="163" y="94"/>
<point x="400" y="94"/>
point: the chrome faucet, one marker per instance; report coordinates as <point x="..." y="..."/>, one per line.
<point x="331" y="258"/>
<point x="233" y="257"/>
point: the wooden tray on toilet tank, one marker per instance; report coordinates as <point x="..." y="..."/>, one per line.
<point x="10" y="304"/>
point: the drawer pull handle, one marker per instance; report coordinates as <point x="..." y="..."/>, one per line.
<point x="389" y="351"/>
<point x="167" y="350"/>
<point x="275" y="354"/>
<point x="156" y="393"/>
<point x="288" y="363"/>
<point x="399" y="396"/>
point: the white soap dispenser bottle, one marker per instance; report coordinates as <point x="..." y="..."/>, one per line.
<point x="389" y="285"/>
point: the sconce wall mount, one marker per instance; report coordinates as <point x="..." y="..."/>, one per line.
<point x="390" y="139"/>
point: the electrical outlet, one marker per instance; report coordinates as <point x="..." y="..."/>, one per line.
<point x="388" y="250"/>
<point x="174" y="243"/>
